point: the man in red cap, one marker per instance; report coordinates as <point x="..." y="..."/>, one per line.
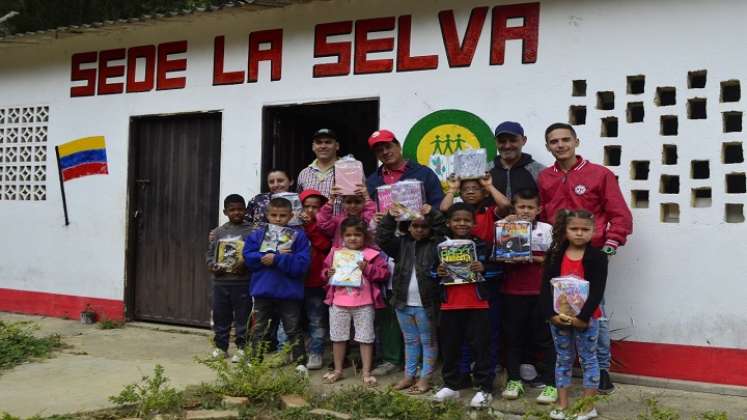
<point x="316" y="312"/>
<point x="394" y="168"/>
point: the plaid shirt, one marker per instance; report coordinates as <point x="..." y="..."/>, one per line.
<point x="313" y="177"/>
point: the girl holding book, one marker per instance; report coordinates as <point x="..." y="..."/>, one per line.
<point x="352" y="296"/>
<point x="571" y="254"/>
<point x="358" y="205"/>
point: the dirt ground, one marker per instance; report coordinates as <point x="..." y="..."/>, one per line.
<point x="99" y="363"/>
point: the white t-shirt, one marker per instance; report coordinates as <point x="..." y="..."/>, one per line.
<point x="413" y="291"/>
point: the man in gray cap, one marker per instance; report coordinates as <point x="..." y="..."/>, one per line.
<point x="513" y="170"/>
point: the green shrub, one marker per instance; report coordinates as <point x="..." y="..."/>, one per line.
<point x="149" y="397"/>
<point x="655" y="412"/>
<point x="18" y="343"/>
<point x="714" y="415"/>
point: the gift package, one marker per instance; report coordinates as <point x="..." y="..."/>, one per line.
<point x="569" y="293"/>
<point x="347" y="272"/>
<point x="457" y="255"/>
<point x="383" y="198"/>
<point x="296" y="205"/>
<point x="277" y="239"/>
<point x="348" y="174"/>
<point x="228" y="254"/>
<point x="470" y="163"/>
<point x="409" y="196"/>
<point x="513" y="240"/>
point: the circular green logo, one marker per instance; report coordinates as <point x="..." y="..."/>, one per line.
<point x="438" y="135"/>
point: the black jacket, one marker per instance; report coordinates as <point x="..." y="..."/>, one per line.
<point x="406" y="250"/>
<point x="595" y="272"/>
<point x="523" y="175"/>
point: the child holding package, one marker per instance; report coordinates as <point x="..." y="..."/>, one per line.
<point x="277" y="284"/>
<point x="354" y="304"/>
<point x="464" y="315"/>
<point x="313" y="298"/>
<point x="359" y="205"/>
<point x="415" y="295"/>
<point x="522" y="322"/>
<point x="230" y="278"/>
<point x="572" y="254"/>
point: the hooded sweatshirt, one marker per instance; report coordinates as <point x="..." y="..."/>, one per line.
<point x="284" y="279"/>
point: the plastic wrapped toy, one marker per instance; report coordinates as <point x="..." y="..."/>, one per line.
<point x="348" y="174"/>
<point x="569" y="293"/>
<point x="470" y="163"/>
<point x="457" y="255"/>
<point x="513" y="240"/>
<point x="383" y="198"/>
<point x="409" y="196"/>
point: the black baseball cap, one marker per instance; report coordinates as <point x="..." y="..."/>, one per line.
<point x="324" y="132"/>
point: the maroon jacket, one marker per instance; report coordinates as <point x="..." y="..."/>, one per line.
<point x="590" y="187"/>
<point x="320" y="245"/>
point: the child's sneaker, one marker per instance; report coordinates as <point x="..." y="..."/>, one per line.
<point x="315" y="361"/>
<point x="481" y="399"/>
<point x="548" y="396"/>
<point x="446" y="394"/>
<point x="590" y="415"/>
<point x="302" y="371"/>
<point x="558" y="414"/>
<point x="514" y="389"/>
<point x="218" y="354"/>
<point x="606" y="387"/>
<point x="237" y="356"/>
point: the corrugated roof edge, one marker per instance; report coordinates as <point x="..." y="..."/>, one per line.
<point x="26" y="38"/>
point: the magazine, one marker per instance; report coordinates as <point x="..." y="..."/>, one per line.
<point x="347" y="273"/>
<point x="457" y="255"/>
<point x="277" y="239"/>
<point x="513" y="240"/>
<point x="228" y="254"/>
<point x="569" y="293"/>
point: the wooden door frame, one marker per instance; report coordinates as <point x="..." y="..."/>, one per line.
<point x="131" y="228"/>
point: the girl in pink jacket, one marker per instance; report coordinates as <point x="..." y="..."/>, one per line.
<point x="359" y="205"/>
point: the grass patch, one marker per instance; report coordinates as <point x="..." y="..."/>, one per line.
<point x="654" y="411"/>
<point x="110" y="324"/>
<point x="18" y="344"/>
<point x="149" y="397"/>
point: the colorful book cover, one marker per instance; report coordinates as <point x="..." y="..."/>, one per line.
<point x="383" y="198"/>
<point x="347" y="273"/>
<point x="569" y="293"/>
<point x="513" y="240"/>
<point x="228" y="254"/>
<point x="409" y="195"/>
<point x="457" y="255"/>
<point x="470" y="163"/>
<point x="277" y="239"/>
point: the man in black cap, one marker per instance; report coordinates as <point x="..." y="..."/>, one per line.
<point x="513" y="170"/>
<point x="320" y="174"/>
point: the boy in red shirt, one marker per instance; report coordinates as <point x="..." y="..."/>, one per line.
<point x="314" y="293"/>
<point x="575" y="183"/>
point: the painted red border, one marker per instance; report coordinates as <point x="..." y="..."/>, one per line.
<point x="689" y="363"/>
<point x="61" y="306"/>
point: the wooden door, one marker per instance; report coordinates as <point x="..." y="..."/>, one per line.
<point x="174" y="202"/>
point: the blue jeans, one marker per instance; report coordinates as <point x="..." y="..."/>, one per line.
<point x="316" y="314"/>
<point x="417" y="330"/>
<point x="603" y="342"/>
<point x="568" y="341"/>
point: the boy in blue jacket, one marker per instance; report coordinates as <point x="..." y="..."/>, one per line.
<point x="278" y="257"/>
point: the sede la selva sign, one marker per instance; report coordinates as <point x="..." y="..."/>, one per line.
<point x="144" y="68"/>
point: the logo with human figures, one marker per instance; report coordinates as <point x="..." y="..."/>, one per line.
<point x="435" y="138"/>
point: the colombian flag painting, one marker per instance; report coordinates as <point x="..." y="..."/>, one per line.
<point x="82" y="157"/>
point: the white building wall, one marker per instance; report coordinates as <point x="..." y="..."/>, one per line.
<point x="680" y="283"/>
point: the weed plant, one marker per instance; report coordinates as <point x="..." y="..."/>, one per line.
<point x="18" y="344"/>
<point x="150" y="397"/>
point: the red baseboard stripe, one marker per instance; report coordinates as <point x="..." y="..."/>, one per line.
<point x="56" y="305"/>
<point x="688" y="363"/>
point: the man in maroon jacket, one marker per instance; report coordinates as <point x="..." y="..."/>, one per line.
<point x="575" y="183"/>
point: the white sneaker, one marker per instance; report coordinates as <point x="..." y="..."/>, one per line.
<point x="527" y="372"/>
<point x="315" y="361"/>
<point x="558" y="414"/>
<point x="446" y="394"/>
<point x="302" y="371"/>
<point x="236" y="358"/>
<point x="218" y="354"/>
<point x="590" y="415"/>
<point x="481" y="399"/>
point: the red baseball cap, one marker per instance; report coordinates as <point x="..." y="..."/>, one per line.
<point x="312" y="193"/>
<point x="380" y="136"/>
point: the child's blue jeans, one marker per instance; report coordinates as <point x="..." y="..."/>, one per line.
<point x="569" y="341"/>
<point x="417" y="330"/>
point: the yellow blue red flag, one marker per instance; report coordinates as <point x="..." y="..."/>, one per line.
<point x="82" y="157"/>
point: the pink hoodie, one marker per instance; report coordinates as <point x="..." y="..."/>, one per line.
<point x="376" y="271"/>
<point x="330" y="224"/>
